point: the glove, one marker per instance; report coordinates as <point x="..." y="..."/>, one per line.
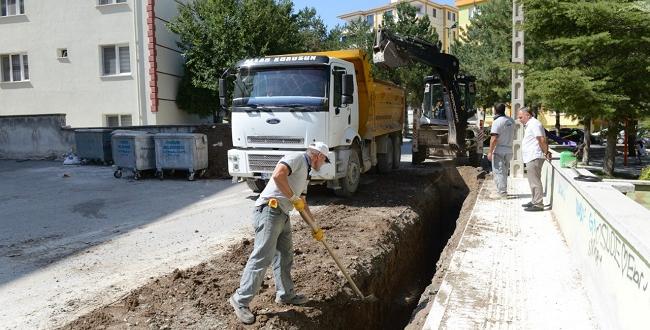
<point x="298" y="204"/>
<point x="318" y="234"/>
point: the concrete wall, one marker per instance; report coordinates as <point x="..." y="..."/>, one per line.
<point x="607" y="233"/>
<point x="34" y="137"/>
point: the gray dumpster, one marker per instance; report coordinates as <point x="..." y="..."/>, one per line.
<point x="181" y="151"/>
<point x="94" y="145"/>
<point x="133" y="150"/>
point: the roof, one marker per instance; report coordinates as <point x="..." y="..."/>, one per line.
<point x="393" y="6"/>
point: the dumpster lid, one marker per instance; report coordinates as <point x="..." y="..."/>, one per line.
<point x="179" y="135"/>
<point x="93" y="130"/>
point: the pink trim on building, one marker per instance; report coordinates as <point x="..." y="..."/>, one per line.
<point x="151" y="34"/>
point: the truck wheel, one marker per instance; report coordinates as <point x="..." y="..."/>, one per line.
<point x="385" y="161"/>
<point x="350" y="182"/>
<point x="419" y="156"/>
<point x="397" y="151"/>
<point x="256" y="185"/>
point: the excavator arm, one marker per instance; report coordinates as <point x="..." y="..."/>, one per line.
<point x="392" y="51"/>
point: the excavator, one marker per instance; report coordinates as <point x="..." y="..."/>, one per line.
<point x="440" y="128"/>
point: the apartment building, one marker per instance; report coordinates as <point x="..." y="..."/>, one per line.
<point x="466" y="11"/>
<point x="101" y="62"/>
<point x="443" y="18"/>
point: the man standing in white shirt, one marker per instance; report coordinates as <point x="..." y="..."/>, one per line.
<point x="534" y="150"/>
<point x="500" y="153"/>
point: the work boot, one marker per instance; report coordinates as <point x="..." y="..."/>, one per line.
<point x="243" y="313"/>
<point x="297" y="299"/>
<point x="529" y="204"/>
<point x="534" y="208"/>
<point x="498" y="195"/>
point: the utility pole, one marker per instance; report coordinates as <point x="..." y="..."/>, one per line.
<point x="517" y="93"/>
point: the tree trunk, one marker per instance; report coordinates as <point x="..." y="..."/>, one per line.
<point x="557" y="123"/>
<point x="631" y="137"/>
<point x="587" y="141"/>
<point x="610" y="151"/>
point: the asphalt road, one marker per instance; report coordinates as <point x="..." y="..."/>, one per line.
<point x="74" y="238"/>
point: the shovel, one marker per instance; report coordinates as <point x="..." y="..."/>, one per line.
<point x="314" y="227"/>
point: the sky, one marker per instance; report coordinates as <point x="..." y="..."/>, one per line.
<point x="329" y="9"/>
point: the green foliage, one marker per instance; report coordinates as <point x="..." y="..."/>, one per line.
<point x="202" y="101"/>
<point x="591" y="59"/>
<point x="485" y="52"/>
<point x="645" y="173"/>
<point x="601" y="45"/>
<point x="215" y="34"/>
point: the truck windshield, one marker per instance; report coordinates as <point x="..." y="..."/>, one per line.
<point x="281" y="86"/>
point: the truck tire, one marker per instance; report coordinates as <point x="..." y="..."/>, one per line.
<point x="419" y="156"/>
<point x="397" y="151"/>
<point x="256" y="185"/>
<point x="385" y="161"/>
<point x="350" y="182"/>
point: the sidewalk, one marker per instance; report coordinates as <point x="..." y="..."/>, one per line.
<point x="512" y="269"/>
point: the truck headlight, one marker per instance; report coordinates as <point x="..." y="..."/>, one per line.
<point x="234" y="160"/>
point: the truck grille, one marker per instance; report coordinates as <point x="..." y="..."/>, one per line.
<point x="275" y="139"/>
<point x="263" y="163"/>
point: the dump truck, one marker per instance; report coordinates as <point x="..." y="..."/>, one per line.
<point x="280" y="104"/>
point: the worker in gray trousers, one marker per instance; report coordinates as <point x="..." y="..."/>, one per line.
<point x="273" y="244"/>
<point x="500" y="153"/>
<point x="534" y="150"/>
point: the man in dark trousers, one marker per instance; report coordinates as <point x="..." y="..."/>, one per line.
<point x="285" y="191"/>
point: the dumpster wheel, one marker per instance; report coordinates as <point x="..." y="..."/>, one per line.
<point x="117" y="174"/>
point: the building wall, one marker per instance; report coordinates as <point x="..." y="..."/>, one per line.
<point x="440" y="23"/>
<point x="465" y="7"/>
<point x="75" y="86"/>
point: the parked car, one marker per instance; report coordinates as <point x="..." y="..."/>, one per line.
<point x="577" y="135"/>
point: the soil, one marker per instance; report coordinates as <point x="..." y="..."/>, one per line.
<point x="389" y="236"/>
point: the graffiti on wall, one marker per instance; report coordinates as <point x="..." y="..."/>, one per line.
<point x="606" y="245"/>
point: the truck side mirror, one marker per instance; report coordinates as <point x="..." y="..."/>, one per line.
<point x="222" y="92"/>
<point x="348" y="89"/>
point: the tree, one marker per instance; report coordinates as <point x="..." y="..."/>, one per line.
<point x="311" y="30"/>
<point x="592" y="60"/>
<point x="215" y="34"/>
<point x="485" y="51"/>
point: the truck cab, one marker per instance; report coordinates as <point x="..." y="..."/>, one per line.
<point x="281" y="104"/>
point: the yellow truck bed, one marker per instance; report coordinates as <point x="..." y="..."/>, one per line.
<point x="381" y="104"/>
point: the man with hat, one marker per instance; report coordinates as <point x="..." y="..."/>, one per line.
<point x="285" y="191"/>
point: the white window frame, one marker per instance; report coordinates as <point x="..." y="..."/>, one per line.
<point x="120" y="119"/>
<point x="19" y="4"/>
<point x="118" y="71"/>
<point x="11" y="70"/>
<point x="110" y="2"/>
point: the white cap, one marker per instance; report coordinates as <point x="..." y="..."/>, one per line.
<point x="322" y="148"/>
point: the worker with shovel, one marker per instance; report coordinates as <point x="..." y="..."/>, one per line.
<point x="286" y="190"/>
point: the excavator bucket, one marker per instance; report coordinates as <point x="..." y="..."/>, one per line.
<point x="386" y="54"/>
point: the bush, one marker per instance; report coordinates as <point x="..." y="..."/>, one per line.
<point x="645" y="173"/>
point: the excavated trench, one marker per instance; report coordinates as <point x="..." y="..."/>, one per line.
<point x="389" y="237"/>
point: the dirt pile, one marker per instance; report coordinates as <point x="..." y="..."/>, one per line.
<point x="389" y="236"/>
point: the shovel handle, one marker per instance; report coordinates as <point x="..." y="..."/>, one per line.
<point x="314" y="227"/>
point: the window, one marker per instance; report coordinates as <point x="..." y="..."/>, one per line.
<point x="12" y="7"/>
<point x="110" y="2"/>
<point x="388" y="13"/>
<point x="118" y="120"/>
<point x="115" y="60"/>
<point x="433" y="13"/>
<point x="370" y="19"/>
<point x="62" y="53"/>
<point x="14" y="67"/>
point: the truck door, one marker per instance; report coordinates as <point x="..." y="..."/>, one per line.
<point x="340" y="114"/>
